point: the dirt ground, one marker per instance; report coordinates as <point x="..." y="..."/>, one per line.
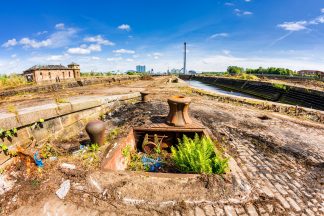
<point x="277" y="165"/>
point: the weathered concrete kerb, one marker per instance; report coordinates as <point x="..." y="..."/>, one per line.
<point x="37" y="124"/>
<point x="269" y="91"/>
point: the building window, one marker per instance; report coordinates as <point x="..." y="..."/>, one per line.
<point x="69" y="74"/>
<point x="41" y="74"/>
<point x="49" y="75"/>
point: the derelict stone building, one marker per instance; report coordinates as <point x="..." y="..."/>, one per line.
<point x="52" y="73"/>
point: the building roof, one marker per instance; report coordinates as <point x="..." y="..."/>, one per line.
<point x="46" y="67"/>
<point x="73" y="63"/>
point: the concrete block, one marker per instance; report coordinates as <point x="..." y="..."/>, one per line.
<point x="8" y="121"/>
<point x="33" y="114"/>
<point x="84" y="103"/>
<point x="64" y="108"/>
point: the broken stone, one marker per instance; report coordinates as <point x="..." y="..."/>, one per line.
<point x="95" y="184"/>
<point x="64" y="189"/>
<point x="5" y="184"/>
<point x="68" y="166"/>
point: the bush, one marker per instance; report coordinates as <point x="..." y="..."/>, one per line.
<point x="234" y="70"/>
<point x="198" y="156"/>
<point x="12" y="81"/>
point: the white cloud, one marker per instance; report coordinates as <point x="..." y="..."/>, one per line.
<point x="247" y="0"/>
<point x="55" y="58"/>
<point x="129" y="60"/>
<point x="84" y="49"/>
<point x="95" y="58"/>
<point x="79" y="51"/>
<point x="124" y="51"/>
<point x="60" y="26"/>
<point x="247" y="13"/>
<point x="26" y="42"/>
<point x="218" y="35"/>
<point x="98" y="39"/>
<point x="293" y="26"/>
<point x="9" y="43"/>
<point x="301" y="25"/>
<point x="114" y="59"/>
<point x="13" y="55"/>
<point x="239" y="12"/>
<point x="124" y="27"/>
<point x="63" y="38"/>
<point x="322" y="10"/>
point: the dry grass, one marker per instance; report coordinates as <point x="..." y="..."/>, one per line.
<point x="12" y="81"/>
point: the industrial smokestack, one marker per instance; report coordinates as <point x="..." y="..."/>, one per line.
<point x="184" y="58"/>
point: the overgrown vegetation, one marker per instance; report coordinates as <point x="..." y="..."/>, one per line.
<point x="198" y="156"/>
<point x="11" y="81"/>
<point x="279" y="86"/>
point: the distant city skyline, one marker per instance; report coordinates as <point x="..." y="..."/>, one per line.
<point x="112" y="35"/>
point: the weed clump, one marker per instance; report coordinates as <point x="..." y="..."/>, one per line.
<point x="198" y="156"/>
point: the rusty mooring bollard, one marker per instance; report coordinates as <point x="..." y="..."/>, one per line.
<point x="179" y="107"/>
<point x="144" y="95"/>
<point x="96" y="131"/>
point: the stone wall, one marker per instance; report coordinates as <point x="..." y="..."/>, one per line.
<point x="265" y="90"/>
<point x="60" y="120"/>
<point x="73" y="84"/>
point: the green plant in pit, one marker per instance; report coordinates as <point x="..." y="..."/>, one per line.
<point x="37" y="124"/>
<point x="126" y="151"/>
<point x="198" y="156"/>
<point x="2" y="170"/>
<point x="113" y="134"/>
<point x="1" y="132"/>
<point x="94" y="147"/>
<point x="158" y="143"/>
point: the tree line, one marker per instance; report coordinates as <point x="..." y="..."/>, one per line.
<point x="235" y="70"/>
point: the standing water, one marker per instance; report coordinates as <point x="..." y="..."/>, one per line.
<point x="208" y="87"/>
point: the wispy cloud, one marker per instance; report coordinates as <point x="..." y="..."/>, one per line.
<point x="280" y="39"/>
<point x="230" y="4"/>
<point x="301" y="25"/>
<point x="124" y="51"/>
<point x="124" y="27"/>
<point x="99" y="40"/>
<point x="219" y="35"/>
<point x="10" y="43"/>
<point x="60" y="26"/>
<point x="239" y="12"/>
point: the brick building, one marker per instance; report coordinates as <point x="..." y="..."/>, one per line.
<point x="52" y="73"/>
<point x="311" y="72"/>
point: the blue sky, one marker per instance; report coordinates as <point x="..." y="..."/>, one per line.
<point x="118" y="35"/>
